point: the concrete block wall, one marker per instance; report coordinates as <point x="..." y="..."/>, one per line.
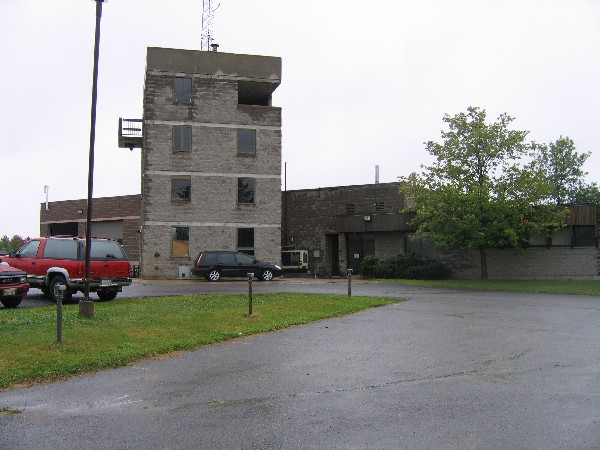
<point x="532" y="263"/>
<point x="213" y="164"/>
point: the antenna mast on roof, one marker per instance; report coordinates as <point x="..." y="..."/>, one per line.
<point x="208" y="14"/>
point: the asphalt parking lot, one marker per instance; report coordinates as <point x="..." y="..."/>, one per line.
<point x="446" y="369"/>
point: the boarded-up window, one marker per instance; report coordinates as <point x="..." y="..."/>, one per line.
<point x="180" y="241"/>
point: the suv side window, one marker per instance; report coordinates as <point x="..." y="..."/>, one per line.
<point x="60" y="249"/>
<point x="106" y="250"/>
<point x="227" y="258"/>
<point x="30" y="249"/>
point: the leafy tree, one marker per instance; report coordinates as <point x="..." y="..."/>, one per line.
<point x="563" y="167"/>
<point x="587" y="193"/>
<point x="13" y="244"/>
<point x="483" y="190"/>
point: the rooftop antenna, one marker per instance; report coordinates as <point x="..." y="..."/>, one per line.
<point x="208" y="15"/>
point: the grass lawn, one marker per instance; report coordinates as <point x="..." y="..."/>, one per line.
<point x="576" y="287"/>
<point x="127" y="330"/>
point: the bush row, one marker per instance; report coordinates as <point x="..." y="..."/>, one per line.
<point x="409" y="267"/>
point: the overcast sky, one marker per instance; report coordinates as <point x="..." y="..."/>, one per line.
<point x="364" y="83"/>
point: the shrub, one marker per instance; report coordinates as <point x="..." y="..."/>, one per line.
<point x="368" y="267"/>
<point x="408" y="266"/>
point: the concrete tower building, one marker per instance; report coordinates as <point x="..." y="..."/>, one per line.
<point x="211" y="158"/>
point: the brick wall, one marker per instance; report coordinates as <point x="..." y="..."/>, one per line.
<point x="311" y="221"/>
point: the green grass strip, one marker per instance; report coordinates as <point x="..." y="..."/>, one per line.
<point x="128" y="330"/>
<point x="575" y="287"/>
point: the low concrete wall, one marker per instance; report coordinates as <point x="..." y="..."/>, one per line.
<point x="539" y="263"/>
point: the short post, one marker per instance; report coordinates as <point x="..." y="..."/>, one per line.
<point x="349" y="274"/>
<point x="59" y="291"/>
<point x="250" y="275"/>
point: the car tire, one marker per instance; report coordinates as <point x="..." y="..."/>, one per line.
<point x="45" y="290"/>
<point x="213" y="275"/>
<point x="11" y="302"/>
<point x="106" y="296"/>
<point x="59" y="280"/>
<point x="266" y="275"/>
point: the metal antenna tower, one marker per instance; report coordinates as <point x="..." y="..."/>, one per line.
<point x="208" y="15"/>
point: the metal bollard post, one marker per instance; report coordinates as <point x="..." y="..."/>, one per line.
<point x="59" y="292"/>
<point x="250" y="275"/>
<point x="349" y="273"/>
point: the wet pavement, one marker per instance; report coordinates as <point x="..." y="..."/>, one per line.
<point x="447" y="369"/>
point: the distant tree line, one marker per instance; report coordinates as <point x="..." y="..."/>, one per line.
<point x="11" y="245"/>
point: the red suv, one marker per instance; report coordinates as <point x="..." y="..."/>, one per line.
<point x="53" y="261"/>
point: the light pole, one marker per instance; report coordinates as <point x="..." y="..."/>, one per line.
<point x="86" y="307"/>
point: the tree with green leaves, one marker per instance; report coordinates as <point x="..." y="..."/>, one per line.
<point x="563" y="166"/>
<point x="11" y="245"/>
<point x="483" y="190"/>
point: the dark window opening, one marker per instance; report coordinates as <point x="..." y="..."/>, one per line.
<point x="349" y="208"/>
<point x="253" y="93"/>
<point x="64" y="229"/>
<point x="246" y="188"/>
<point x="181" y="189"/>
<point x="584" y="236"/>
<point x="183" y="90"/>
<point x="245" y="238"/>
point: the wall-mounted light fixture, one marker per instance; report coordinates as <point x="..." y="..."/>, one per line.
<point x="80" y="211"/>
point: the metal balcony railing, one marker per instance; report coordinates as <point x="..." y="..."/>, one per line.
<point x="130" y="133"/>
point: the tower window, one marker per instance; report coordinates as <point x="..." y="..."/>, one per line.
<point x="246" y="188"/>
<point x="182" y="138"/>
<point x="181" y="188"/>
<point x="180" y="241"/>
<point x="183" y="90"/>
<point x="246" y="142"/>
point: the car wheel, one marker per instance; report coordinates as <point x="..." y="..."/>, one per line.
<point x="266" y="275"/>
<point x="11" y="302"/>
<point x="45" y="290"/>
<point x="105" y="296"/>
<point x="214" y="275"/>
<point x="60" y="281"/>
